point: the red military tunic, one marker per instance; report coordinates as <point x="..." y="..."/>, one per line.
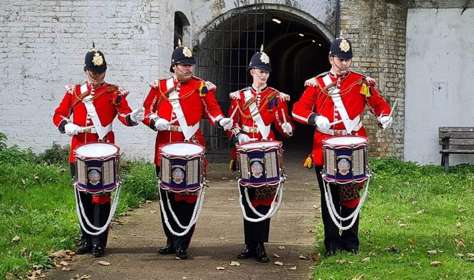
<point x="271" y="105"/>
<point x="273" y="109"/>
<point x="109" y="101"/>
<point x="355" y="93"/>
<point x="196" y="97"/>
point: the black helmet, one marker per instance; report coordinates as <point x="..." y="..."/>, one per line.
<point x="182" y="55"/>
<point x="342" y="48"/>
<point x="95" y="61"/>
<point x="260" y="60"/>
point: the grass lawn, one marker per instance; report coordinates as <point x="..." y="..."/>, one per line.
<point x="416" y="224"/>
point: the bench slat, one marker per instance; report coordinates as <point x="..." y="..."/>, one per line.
<point x="455" y="151"/>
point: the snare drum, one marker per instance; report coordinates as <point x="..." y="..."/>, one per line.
<point x="345" y="160"/>
<point x="97" y="167"/>
<point x="260" y="163"/>
<point x="181" y="167"/>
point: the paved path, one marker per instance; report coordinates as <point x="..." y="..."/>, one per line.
<point x="134" y="241"/>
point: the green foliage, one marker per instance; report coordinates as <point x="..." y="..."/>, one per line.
<point x="55" y="155"/>
<point x="415" y="216"/>
<point x="138" y="183"/>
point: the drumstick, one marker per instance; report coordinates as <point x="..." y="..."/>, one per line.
<point x="233" y="113"/>
<point x="393" y="108"/>
<point x="335" y="122"/>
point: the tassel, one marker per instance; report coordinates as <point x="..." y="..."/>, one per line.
<point x="364" y="90"/>
<point x="308" y="162"/>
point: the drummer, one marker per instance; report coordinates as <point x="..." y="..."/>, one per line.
<point x="93" y="124"/>
<point x="174" y="107"/>
<point x="334" y="103"/>
<point x="254" y="109"/>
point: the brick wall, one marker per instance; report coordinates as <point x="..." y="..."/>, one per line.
<point x="42" y="48"/>
<point x="377" y="31"/>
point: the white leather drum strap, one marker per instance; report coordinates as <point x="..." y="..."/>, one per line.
<point x="349" y="124"/>
<point x="263" y="129"/>
<point x="188" y="131"/>
<point x="102" y="131"/>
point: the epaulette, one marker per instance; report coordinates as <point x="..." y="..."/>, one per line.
<point x="312" y="82"/>
<point x="70" y="88"/>
<point x="235" y="95"/>
<point x="210" y="85"/>
<point x="123" y="92"/>
<point x="284" y="96"/>
<point x="155" y="83"/>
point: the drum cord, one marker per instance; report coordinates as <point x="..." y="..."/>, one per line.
<point x="194" y="217"/>
<point x="332" y="209"/>
<point x="273" y="208"/>
<point x="82" y="215"/>
<point x="173" y="214"/>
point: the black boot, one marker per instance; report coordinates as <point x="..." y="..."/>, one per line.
<point x="98" y="249"/>
<point x="260" y="254"/>
<point x="181" y="254"/>
<point x="331" y="249"/>
<point x="247" y="252"/>
<point x="85" y="245"/>
<point x="168" y="249"/>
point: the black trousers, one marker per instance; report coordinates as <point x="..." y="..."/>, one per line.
<point x="255" y="232"/>
<point x="183" y="211"/>
<point x="349" y="239"/>
<point x="97" y="215"/>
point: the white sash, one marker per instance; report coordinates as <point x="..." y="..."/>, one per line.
<point x="262" y="128"/>
<point x="188" y="131"/>
<point x="349" y="124"/>
<point x="102" y="131"/>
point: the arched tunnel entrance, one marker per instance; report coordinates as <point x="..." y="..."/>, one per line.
<point x="296" y="46"/>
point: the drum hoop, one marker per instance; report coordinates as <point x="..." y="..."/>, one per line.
<point x="345" y="181"/>
<point x="104" y="190"/>
<point x="117" y="153"/>
<point x="345" y="146"/>
<point x="105" y="158"/>
<point x="193" y="156"/>
<point x="173" y="190"/>
<point x="172" y="156"/>
<point x="256" y="186"/>
<point x="325" y="141"/>
<point x="278" y="146"/>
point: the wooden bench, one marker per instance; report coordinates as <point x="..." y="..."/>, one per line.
<point x="455" y="140"/>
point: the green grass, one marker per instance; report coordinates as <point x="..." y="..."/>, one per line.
<point x="37" y="206"/>
<point x="415" y="215"/>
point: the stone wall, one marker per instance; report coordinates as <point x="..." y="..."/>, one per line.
<point x="377" y="30"/>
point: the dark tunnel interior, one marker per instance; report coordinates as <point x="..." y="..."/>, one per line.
<point x="297" y="50"/>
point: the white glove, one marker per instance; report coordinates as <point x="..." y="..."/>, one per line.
<point x="287" y="128"/>
<point x="243" y="138"/>
<point x="226" y="123"/>
<point x="385" y="121"/>
<point x="72" y="129"/>
<point x="322" y="122"/>
<point x="137" y="115"/>
<point x="162" y="124"/>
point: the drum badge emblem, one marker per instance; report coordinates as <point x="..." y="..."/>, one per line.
<point x="177" y="174"/>
<point x="93" y="175"/>
<point x="343" y="166"/>
<point x="257" y="169"/>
